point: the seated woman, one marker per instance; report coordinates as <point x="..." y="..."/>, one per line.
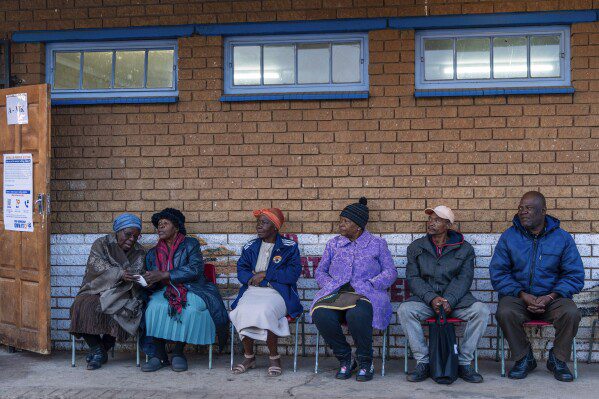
<point x="107" y="307"/>
<point x="268" y="270"/>
<point x="184" y="307"/>
<point x="354" y="274"/>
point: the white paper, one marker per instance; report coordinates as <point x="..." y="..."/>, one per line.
<point x="141" y="280"/>
<point x="16" y="109"/>
<point x="18" y="192"/>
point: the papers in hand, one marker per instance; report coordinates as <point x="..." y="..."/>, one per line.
<point x="141" y="280"/>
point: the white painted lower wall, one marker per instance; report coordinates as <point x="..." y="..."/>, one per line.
<point x="69" y="255"/>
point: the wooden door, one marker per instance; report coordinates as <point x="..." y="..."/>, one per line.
<point x="24" y="256"/>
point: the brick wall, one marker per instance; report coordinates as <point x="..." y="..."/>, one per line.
<point x="70" y="251"/>
<point x="216" y="161"/>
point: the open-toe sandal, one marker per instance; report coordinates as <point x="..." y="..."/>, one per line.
<point x="242" y="368"/>
<point x="275" y="371"/>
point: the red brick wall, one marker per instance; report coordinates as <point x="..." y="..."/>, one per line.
<point x="216" y="161"/>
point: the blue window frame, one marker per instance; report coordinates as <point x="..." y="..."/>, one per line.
<point x="503" y="58"/>
<point x="112" y="72"/>
<point x="296" y="64"/>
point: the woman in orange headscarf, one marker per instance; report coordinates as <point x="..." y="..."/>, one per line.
<point x="268" y="270"/>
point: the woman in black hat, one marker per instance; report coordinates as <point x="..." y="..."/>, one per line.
<point x="184" y="307"/>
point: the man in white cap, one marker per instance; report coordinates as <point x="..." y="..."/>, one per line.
<point x="440" y="271"/>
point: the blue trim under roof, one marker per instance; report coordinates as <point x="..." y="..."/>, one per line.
<point x="114" y="100"/>
<point x="494" y="19"/>
<point x="286" y="27"/>
<point x="84" y="35"/>
<point x="493" y="92"/>
<point x="295" y="96"/>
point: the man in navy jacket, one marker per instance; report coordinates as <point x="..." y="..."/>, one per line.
<point x="536" y="268"/>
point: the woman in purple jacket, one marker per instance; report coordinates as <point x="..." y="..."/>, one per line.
<point x="354" y="275"/>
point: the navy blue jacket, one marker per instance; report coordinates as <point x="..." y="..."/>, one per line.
<point x="537" y="265"/>
<point x="282" y="273"/>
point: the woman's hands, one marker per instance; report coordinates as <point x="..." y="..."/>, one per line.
<point x="128" y="277"/>
<point x="155" y="276"/>
<point x="257" y="279"/>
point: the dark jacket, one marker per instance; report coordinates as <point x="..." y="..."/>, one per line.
<point x="188" y="269"/>
<point x="282" y="274"/>
<point x="537" y="265"/>
<point x="449" y="275"/>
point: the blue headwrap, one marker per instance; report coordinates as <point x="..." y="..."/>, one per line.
<point x="126" y="220"/>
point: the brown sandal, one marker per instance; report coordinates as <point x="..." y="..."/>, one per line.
<point x="242" y="367"/>
<point x="275" y="371"/>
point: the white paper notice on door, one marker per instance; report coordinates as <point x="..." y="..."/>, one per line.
<point x="18" y="192"/>
<point x="16" y="109"/>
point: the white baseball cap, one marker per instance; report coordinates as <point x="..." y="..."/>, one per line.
<point x="442" y="211"/>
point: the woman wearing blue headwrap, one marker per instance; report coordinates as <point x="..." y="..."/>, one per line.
<point x="107" y="307"/>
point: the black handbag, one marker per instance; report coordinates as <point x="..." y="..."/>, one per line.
<point x="443" y="350"/>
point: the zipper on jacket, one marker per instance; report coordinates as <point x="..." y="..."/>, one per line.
<point x="532" y="267"/>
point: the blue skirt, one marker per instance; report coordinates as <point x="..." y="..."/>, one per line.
<point x="195" y="326"/>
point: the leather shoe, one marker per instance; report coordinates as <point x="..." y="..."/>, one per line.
<point x="420" y="373"/>
<point x="468" y="374"/>
<point x="523" y="366"/>
<point x="560" y="369"/>
<point x="346" y="367"/>
<point x="97" y="357"/>
<point x="154" y="364"/>
<point x="179" y="363"/>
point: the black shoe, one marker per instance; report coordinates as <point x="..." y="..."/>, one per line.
<point x="97" y="357"/>
<point x="366" y="372"/>
<point x="346" y="367"/>
<point x="154" y="364"/>
<point x="523" y="366"/>
<point x="560" y="369"/>
<point x="468" y="374"/>
<point x="179" y="363"/>
<point x="420" y="373"/>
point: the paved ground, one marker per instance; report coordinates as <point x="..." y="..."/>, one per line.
<point x="25" y="375"/>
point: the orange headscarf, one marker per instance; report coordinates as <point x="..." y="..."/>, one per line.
<point x="273" y="214"/>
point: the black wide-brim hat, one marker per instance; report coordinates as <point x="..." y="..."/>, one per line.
<point x="173" y="215"/>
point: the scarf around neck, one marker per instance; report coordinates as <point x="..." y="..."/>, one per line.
<point x="176" y="294"/>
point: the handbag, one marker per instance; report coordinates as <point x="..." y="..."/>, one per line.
<point x="443" y="350"/>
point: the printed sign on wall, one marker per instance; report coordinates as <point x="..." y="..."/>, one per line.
<point x="18" y="192"/>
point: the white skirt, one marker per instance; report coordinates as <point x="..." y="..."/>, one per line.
<point x="259" y="310"/>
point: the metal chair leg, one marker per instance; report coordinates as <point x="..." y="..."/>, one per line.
<point x="317" y="350"/>
<point x="137" y="350"/>
<point x="502" y="342"/>
<point x="476" y="360"/>
<point x="384" y="351"/>
<point x="72" y="350"/>
<point x="232" y="344"/>
<point x="575" y="358"/>
<point x="296" y="344"/>
<point x="497" y="345"/>
<point x="405" y="357"/>
<point x="592" y="341"/>
<point x="304" y="334"/>
<point x="210" y="357"/>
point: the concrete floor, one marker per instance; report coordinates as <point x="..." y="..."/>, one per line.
<point x="26" y="375"/>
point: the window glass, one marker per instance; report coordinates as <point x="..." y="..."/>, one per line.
<point x="509" y="57"/>
<point x="97" y="69"/>
<point x="346" y="63"/>
<point x="473" y="58"/>
<point x="160" y="69"/>
<point x="313" y="63"/>
<point x="246" y="65"/>
<point x="67" y="68"/>
<point x="279" y="64"/>
<point x="545" y="56"/>
<point x="129" y="69"/>
<point x="438" y="55"/>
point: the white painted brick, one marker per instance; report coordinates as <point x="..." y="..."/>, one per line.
<point x="482" y="238"/>
<point x="584" y="250"/>
<point x="67" y="271"/>
<point x="304" y="239"/>
<point x="60" y="291"/>
<point x="482" y="250"/>
<point x="70" y="249"/>
<point x="595" y="250"/>
<point x="67" y="239"/>
<point x="586" y="239"/>
<point x="312" y="250"/>
<point x="66" y="260"/>
<point x="91" y="238"/>
<point x="240" y="239"/>
<point x="148" y="240"/>
<point x="214" y="239"/>
<point x="483" y="261"/>
<point x="590" y="262"/>
<point x="65" y="281"/>
<point x="398" y="238"/>
<point x="324" y="238"/>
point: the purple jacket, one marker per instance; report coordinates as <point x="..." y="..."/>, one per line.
<point x="365" y="263"/>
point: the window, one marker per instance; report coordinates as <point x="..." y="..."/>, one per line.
<point x="493" y="58"/>
<point x="296" y="64"/>
<point x="112" y="70"/>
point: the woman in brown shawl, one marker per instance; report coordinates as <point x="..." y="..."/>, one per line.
<point x="107" y="308"/>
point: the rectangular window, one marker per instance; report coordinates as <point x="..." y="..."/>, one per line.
<point x="112" y="70"/>
<point x="493" y="58"/>
<point x="296" y="64"/>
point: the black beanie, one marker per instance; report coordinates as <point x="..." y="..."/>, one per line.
<point x="175" y="216"/>
<point x="357" y="213"/>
